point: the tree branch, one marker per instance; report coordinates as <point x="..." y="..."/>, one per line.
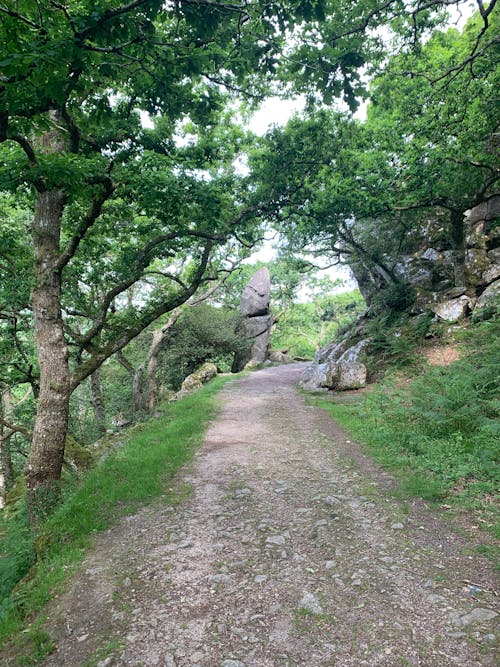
<point x="15" y="428"/>
<point x="124" y="337"/>
<point x="93" y="213"/>
<point x="26" y="146"/>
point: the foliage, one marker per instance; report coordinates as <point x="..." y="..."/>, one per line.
<point x="442" y="427"/>
<point x="138" y="473"/>
<point x="365" y="193"/>
<point x="306" y="326"/>
<point x="203" y="333"/>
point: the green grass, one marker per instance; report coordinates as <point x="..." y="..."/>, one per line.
<point x="439" y="434"/>
<point x="137" y="474"/>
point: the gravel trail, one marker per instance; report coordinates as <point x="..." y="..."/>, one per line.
<point x="288" y="551"/>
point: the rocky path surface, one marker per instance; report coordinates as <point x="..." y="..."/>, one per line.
<point x="288" y="552"/>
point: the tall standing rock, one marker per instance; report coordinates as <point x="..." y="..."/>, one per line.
<point x="257" y="320"/>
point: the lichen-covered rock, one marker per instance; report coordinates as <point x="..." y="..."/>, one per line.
<point x="490" y="296"/>
<point x="315" y="376"/>
<point x="190" y="384"/>
<point x="256" y="295"/>
<point x="197" y="379"/>
<point x="452" y="310"/>
<point x="339" y="368"/>
<point x="256" y="320"/>
<point x="206" y="372"/>
<point x="279" y="357"/>
<point x="76" y="455"/>
<point x="353" y="353"/>
<point x="348" y="375"/>
<point x="476" y="263"/>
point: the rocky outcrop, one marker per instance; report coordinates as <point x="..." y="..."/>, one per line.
<point x="337" y="366"/>
<point x="256" y="320"/>
<point x="424" y="280"/>
<point x="428" y="271"/>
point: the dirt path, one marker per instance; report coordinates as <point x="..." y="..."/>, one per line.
<point x="289" y="551"/>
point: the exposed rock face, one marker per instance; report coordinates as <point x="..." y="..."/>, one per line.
<point x="428" y="272"/>
<point x="429" y="268"/>
<point x="336" y="367"/>
<point x="257" y="320"/>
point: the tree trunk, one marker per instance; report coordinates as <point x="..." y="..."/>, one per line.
<point x="6" y="467"/>
<point x="97" y="401"/>
<point x="43" y="467"/>
<point x="457" y="238"/>
<point x="137" y="390"/>
<point x="160" y="337"/>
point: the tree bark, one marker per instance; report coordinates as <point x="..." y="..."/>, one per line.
<point x="160" y="337"/>
<point x="97" y="401"/>
<point x="44" y="464"/>
<point x="137" y="390"/>
<point x="6" y="467"/>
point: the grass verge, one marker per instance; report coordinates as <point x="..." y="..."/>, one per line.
<point x="135" y="475"/>
<point x="440" y="433"/>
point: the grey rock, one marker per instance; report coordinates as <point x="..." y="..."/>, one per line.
<point x="434" y="598"/>
<point x="431" y="255"/>
<point x="332" y="351"/>
<point x="186" y="544"/>
<point x="279" y="357"/>
<point x="487" y="210"/>
<point x="256" y="295"/>
<point x="494" y="256"/>
<point x="478" y="615"/>
<point x="233" y="663"/>
<point x="352" y="375"/>
<point x="452" y="310"/>
<point x="490" y="295"/>
<point x="220" y="579"/>
<point x="491" y="273"/>
<point x="257" y="321"/>
<point x="107" y="662"/>
<point x="310" y="603"/>
<point x="314" y="377"/>
<point x="260" y="578"/>
<point x="353" y="353"/>
<point x="277" y="540"/>
<point x="397" y="526"/>
<point x="242" y="492"/>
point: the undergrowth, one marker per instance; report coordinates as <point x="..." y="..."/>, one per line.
<point x="136" y="474"/>
<point x="441" y="431"/>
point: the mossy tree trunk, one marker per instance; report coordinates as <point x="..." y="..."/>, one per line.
<point x="44" y="464"/>
<point x="160" y="338"/>
<point x="97" y="401"/>
<point x="6" y="467"/>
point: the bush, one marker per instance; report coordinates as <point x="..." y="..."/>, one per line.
<point x="204" y="333"/>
